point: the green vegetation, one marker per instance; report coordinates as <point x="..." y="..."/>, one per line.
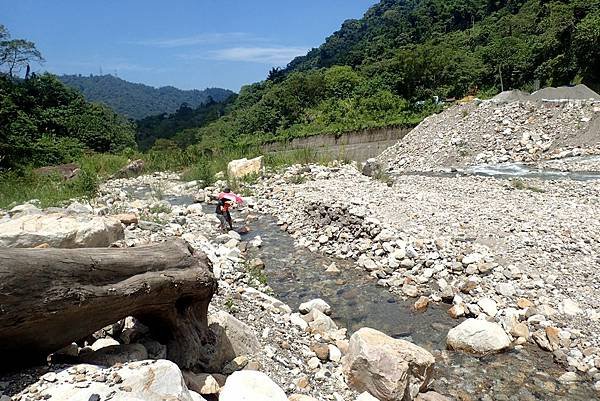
<point x="168" y="130"/>
<point x="256" y="274"/>
<point x="520" y="184"/>
<point x="42" y="123"/>
<point x="230" y="305"/>
<point x="138" y="101"/>
<point x="334" y="101"/>
<point x="383" y="176"/>
<point x="23" y="185"/>
<point x="422" y="48"/>
<point x="386" y="68"/>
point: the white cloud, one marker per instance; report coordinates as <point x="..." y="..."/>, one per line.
<point x="199" y="39"/>
<point x="263" y="55"/>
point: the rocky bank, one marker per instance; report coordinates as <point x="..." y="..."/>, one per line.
<point x="521" y="261"/>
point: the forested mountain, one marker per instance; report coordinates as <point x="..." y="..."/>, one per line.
<point x="451" y="46"/>
<point x="138" y="100"/>
<point x="376" y="70"/>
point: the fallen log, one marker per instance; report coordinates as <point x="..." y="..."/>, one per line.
<point x="52" y="297"/>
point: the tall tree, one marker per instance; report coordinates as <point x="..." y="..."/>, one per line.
<point x="17" y="54"/>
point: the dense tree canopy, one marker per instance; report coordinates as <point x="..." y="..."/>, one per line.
<point x="43" y="122"/>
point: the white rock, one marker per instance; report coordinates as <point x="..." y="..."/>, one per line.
<point x="569" y="307"/>
<point x="234" y="338"/>
<point x="195" y="209"/>
<point x="478" y="337"/>
<point x="249" y="385"/>
<point x="60" y="231"/>
<point x="569" y="377"/>
<point x="399" y="254"/>
<point x="335" y="354"/>
<point x="366" y="397"/>
<point x="321" y="323"/>
<point x="148" y="380"/>
<point x="103" y="342"/>
<point x="77" y="207"/>
<point x="234" y="235"/>
<point x="243" y="167"/>
<point x="314" y="363"/>
<point x="298" y="321"/>
<point x="472" y="258"/>
<point x="488" y="306"/>
<point x="506" y="289"/>
<point x="317" y="304"/>
<point x="25" y="208"/>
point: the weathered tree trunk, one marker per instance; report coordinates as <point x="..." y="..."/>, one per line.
<point x="52" y="297"/>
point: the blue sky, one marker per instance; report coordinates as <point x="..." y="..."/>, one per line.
<point x="184" y="43"/>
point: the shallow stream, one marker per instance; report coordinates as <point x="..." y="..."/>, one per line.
<point x="583" y="170"/>
<point x="297" y="275"/>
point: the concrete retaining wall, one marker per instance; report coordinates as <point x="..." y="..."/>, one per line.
<point x="355" y="145"/>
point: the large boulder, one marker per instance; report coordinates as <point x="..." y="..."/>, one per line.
<point x="478" y="337"/>
<point x="250" y="385"/>
<point x="372" y="167"/>
<point x="144" y="380"/>
<point x="133" y="169"/>
<point x="66" y="171"/>
<point x="389" y="369"/>
<point x="60" y="231"/>
<point x="233" y="338"/>
<point x="318" y="304"/>
<point x="243" y="167"/>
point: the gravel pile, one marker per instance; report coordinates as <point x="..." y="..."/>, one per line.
<point x="564" y="93"/>
<point x="498" y="131"/>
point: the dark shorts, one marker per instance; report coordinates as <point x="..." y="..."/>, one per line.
<point x="225" y="219"/>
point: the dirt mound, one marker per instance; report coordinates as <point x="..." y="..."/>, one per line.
<point x="497" y="132"/>
<point x="579" y="92"/>
<point x="511" y="96"/>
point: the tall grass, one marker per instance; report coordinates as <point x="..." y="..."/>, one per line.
<point x="52" y="190"/>
<point x="193" y="163"/>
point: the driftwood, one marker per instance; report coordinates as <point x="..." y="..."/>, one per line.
<point x="52" y="297"/>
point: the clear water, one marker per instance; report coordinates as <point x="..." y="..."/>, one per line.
<point x="517" y="170"/>
<point x="297" y="275"/>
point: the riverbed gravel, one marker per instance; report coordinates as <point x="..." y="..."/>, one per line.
<point x="525" y="253"/>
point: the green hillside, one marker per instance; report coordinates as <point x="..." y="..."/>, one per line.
<point x="376" y="70"/>
<point x="137" y="101"/>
